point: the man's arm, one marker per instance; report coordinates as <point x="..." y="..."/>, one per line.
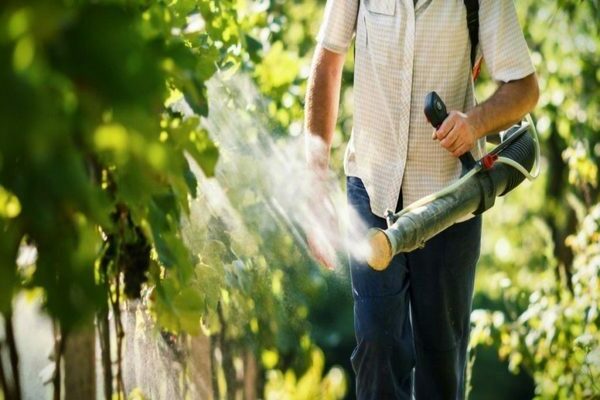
<point x="509" y="104"/>
<point x="320" y="116"/>
<point x="321" y="107"/>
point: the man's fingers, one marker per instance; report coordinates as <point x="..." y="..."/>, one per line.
<point x="450" y="141"/>
<point x="454" y="134"/>
<point x="443" y="130"/>
<point x="321" y="253"/>
<point x="315" y="251"/>
<point x="446" y="126"/>
<point x="460" y="150"/>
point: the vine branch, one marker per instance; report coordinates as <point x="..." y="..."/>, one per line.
<point x="14" y="356"/>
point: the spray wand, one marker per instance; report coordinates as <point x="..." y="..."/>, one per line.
<point x="496" y="174"/>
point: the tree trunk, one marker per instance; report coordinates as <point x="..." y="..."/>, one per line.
<point x="250" y="376"/>
<point x="556" y="190"/>
<point x="103" y="326"/>
<point x="79" y="365"/>
<point x="200" y="367"/>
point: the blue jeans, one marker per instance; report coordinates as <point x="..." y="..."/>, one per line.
<point x="413" y="316"/>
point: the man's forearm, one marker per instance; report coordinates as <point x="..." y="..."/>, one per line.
<point x="459" y="132"/>
<point x="508" y="105"/>
<point x="321" y="108"/>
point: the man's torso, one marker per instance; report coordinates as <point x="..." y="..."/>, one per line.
<point x="403" y="52"/>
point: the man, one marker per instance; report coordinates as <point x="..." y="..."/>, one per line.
<point x="412" y="320"/>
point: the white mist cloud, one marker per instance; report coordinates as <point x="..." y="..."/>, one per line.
<point x="273" y="168"/>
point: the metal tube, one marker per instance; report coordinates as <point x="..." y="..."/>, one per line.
<point x="475" y="195"/>
<point x="412" y="229"/>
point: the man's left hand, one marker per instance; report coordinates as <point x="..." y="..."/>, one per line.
<point x="456" y="134"/>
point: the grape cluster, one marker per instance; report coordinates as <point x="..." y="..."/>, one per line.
<point x="135" y="258"/>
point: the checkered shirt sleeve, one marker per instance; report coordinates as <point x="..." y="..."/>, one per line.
<point x="339" y="24"/>
<point x="502" y="42"/>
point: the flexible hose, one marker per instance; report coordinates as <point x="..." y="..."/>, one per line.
<point x="536" y="141"/>
<point x="518" y="151"/>
<point x="517" y="166"/>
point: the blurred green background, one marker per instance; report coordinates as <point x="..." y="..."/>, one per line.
<point x="97" y="174"/>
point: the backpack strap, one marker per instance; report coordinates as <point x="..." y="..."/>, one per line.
<point x="473" y="26"/>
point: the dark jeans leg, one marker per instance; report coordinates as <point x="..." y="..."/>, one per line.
<point x="441" y="289"/>
<point x="384" y="356"/>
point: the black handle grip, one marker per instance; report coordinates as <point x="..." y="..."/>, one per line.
<point x="436" y="113"/>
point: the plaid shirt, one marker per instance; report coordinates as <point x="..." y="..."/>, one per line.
<point x="404" y="51"/>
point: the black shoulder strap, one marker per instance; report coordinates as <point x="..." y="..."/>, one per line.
<point x="473" y="25"/>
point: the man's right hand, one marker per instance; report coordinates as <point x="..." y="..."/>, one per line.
<point x="320" y="242"/>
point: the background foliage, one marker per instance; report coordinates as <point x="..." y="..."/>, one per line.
<point x="94" y="180"/>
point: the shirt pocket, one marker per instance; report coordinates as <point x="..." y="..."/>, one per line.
<point x="383" y="7"/>
<point x="379" y="21"/>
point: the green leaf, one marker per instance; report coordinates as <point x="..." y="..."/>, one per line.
<point x="254" y="48"/>
<point x="204" y="151"/>
<point x="189" y="308"/>
<point x="196" y="96"/>
<point x="191" y="181"/>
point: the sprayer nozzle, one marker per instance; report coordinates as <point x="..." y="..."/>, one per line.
<point x="380" y="255"/>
